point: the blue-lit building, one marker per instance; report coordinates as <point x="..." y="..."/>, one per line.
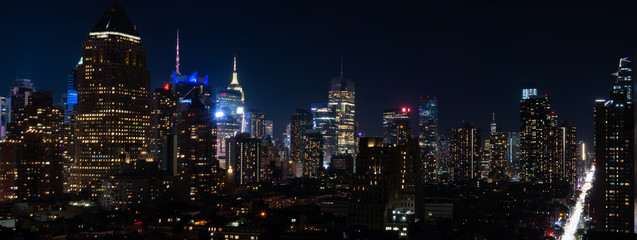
<point x="324" y="120"/>
<point x="228" y="112"/>
<point x="428" y="136"/>
<point x="183" y="85"/>
<point x="71" y="95"/>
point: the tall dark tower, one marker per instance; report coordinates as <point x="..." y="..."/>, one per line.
<point x="612" y="207"/>
<point x="428" y="136"/>
<point x="535" y="125"/>
<point x="113" y="113"/>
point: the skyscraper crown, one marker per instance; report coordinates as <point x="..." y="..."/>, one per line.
<point x="115" y="19"/>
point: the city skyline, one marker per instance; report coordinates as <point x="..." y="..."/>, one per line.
<point x="286" y="55"/>
<point x="205" y="156"/>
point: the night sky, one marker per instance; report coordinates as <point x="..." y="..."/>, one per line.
<point x="474" y="57"/>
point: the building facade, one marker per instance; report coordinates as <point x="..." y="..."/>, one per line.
<point x="113" y="112"/>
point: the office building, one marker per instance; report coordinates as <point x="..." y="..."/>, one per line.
<point x="385" y="190"/>
<point x="396" y="128"/>
<point x="612" y="206"/>
<point x="535" y="124"/>
<point x="113" y="112"/>
<point x="465" y="150"/>
<point x="428" y="136"/>
<point x="197" y="165"/>
<point x="244" y="156"/>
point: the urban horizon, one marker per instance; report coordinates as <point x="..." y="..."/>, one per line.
<point x="450" y="138"/>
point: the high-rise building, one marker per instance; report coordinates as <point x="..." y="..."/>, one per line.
<point x="38" y="129"/>
<point x="5" y="108"/>
<point x="396" y="128"/>
<point x="342" y="97"/>
<point x="244" y="156"/>
<point x="254" y="123"/>
<point x="20" y="93"/>
<point x="8" y="171"/>
<point x="312" y="153"/>
<point x="498" y="149"/>
<point x="324" y="120"/>
<point x="197" y="165"/>
<point x="428" y="136"/>
<point x="612" y="205"/>
<point x="113" y="112"/>
<point x="385" y="190"/>
<point x="564" y="150"/>
<point x="299" y="123"/>
<point x="465" y="150"/>
<point x="269" y="128"/>
<point x="163" y="120"/>
<point x="229" y="112"/>
<point x="513" y="152"/>
<point x="185" y="85"/>
<point x="71" y="95"/>
<point x="535" y="124"/>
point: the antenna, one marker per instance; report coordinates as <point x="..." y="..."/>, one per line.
<point x="235" y="63"/>
<point x="177" y="58"/>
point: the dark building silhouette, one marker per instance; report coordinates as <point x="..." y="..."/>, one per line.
<point x="612" y="206"/>
<point x="535" y="125"/>
<point x="38" y="128"/>
<point x="197" y="165"/>
<point x="385" y="188"/>
<point x="465" y="151"/>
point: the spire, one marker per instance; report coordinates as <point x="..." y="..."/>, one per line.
<point x="234" y="85"/>
<point x="115" y="19"/>
<point x="493" y="117"/>
<point x="177" y="58"/>
<point x="235" y="79"/>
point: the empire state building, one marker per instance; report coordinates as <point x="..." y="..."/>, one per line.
<point x="113" y="114"/>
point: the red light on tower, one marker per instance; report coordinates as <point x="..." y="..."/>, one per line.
<point x="404" y="109"/>
<point x="167" y="87"/>
<point x="408" y="109"/>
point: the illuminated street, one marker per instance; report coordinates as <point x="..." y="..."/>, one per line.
<point x="576" y="216"/>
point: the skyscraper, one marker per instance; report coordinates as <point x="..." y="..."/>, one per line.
<point x="234" y="85"/>
<point x="71" y="94"/>
<point x="612" y="206"/>
<point x="164" y="117"/>
<point x="342" y="97"/>
<point x="254" y="123"/>
<point x="498" y="150"/>
<point x="428" y="136"/>
<point x="185" y="84"/>
<point x="385" y="190"/>
<point x="465" y="150"/>
<point x="299" y="123"/>
<point x="564" y="150"/>
<point x="535" y="125"/>
<point x="244" y="156"/>
<point x="113" y="114"/>
<point x="396" y="128"/>
<point x="38" y="129"/>
<point x="197" y="166"/>
<point x="229" y="111"/>
<point x="312" y="153"/>
<point x="513" y="152"/>
<point x="324" y="120"/>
